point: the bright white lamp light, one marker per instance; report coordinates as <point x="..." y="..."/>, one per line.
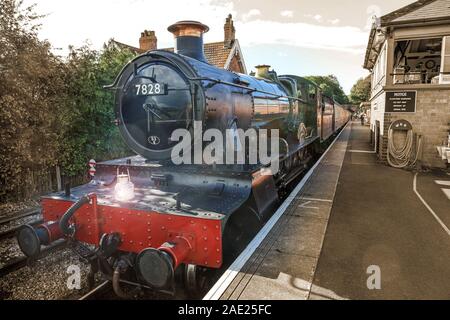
<point x="124" y="189"/>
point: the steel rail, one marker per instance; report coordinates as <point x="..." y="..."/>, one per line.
<point x="11" y="232"/>
<point x="18" y="216"/>
<point x="101" y="288"/>
<point x="22" y="261"/>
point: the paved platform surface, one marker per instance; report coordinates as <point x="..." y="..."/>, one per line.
<point x="283" y="266"/>
<point x="354" y="213"/>
<point x="378" y="219"/>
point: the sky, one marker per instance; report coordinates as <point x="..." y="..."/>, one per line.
<point x="299" y="37"/>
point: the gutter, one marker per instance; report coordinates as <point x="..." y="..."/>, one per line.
<point x="418" y="22"/>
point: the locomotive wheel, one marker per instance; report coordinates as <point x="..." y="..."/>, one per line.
<point x="195" y="280"/>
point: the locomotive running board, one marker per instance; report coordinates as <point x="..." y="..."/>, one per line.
<point x="199" y="191"/>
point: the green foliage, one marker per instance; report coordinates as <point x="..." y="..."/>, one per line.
<point x="91" y="132"/>
<point x="31" y="104"/>
<point x="360" y="91"/>
<point x="52" y="111"/>
<point x="330" y="87"/>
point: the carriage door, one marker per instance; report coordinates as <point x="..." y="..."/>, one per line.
<point x="318" y="104"/>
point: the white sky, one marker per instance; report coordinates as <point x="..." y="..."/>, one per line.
<point x="294" y="36"/>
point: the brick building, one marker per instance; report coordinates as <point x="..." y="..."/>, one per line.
<point x="408" y="55"/>
<point x="225" y="54"/>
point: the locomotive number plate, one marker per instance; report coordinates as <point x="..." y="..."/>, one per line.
<point x="150" y="89"/>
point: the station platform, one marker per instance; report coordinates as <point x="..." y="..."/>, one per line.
<point x="352" y="214"/>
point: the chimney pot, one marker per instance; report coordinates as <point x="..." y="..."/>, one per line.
<point x="229" y="32"/>
<point x="148" y="41"/>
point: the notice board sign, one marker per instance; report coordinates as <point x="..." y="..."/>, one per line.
<point x="401" y="101"/>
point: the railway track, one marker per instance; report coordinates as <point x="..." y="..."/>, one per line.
<point x="105" y="291"/>
<point x="9" y="233"/>
<point x="20" y="215"/>
<point x="12" y="231"/>
<point x="22" y="261"/>
<point x="98" y="292"/>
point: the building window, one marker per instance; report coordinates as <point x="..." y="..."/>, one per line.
<point x="419" y="61"/>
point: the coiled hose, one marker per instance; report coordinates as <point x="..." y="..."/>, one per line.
<point x="403" y="156"/>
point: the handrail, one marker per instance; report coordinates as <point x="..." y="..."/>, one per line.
<point x="215" y="81"/>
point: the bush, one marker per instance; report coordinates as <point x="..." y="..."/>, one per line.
<point x="360" y="91"/>
<point x="331" y="87"/>
<point x="91" y="132"/>
<point x="52" y="111"/>
<point x="31" y="99"/>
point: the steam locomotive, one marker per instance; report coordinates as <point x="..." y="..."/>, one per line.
<point x="145" y="220"/>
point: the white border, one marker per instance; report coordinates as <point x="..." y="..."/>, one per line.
<point x="228" y="276"/>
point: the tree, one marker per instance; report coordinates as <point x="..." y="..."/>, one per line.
<point x="330" y="87"/>
<point x="91" y="132"/>
<point x="360" y="91"/>
<point x="31" y="100"/>
<point x="52" y="111"/>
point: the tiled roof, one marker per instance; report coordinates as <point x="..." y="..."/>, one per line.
<point x="435" y="9"/>
<point x="419" y="10"/>
<point x="216" y="53"/>
<point x="125" y="46"/>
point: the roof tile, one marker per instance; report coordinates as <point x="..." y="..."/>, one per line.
<point x="419" y="10"/>
<point x="435" y="9"/>
<point x="216" y="53"/>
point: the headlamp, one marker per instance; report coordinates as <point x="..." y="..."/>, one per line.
<point x="124" y="189"/>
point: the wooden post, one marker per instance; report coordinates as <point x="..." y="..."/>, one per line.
<point x="58" y="178"/>
<point x="390" y="49"/>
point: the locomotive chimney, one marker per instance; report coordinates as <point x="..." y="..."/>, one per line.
<point x="189" y="38"/>
<point x="148" y="41"/>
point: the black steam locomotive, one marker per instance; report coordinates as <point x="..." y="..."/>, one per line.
<point x="150" y="220"/>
